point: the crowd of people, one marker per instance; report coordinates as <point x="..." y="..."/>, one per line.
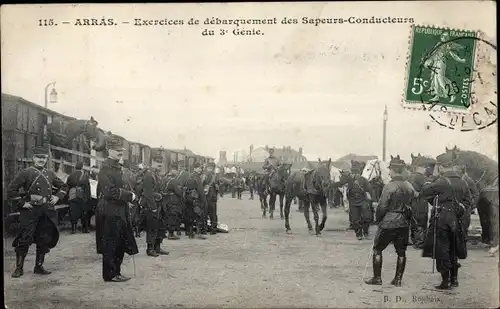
<point x="163" y="202"/>
<point x="191" y="198"/>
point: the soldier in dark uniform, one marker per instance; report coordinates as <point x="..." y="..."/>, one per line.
<point x="79" y="198"/>
<point x="196" y="203"/>
<point x="114" y="234"/>
<point x="359" y="194"/>
<point x="150" y="201"/>
<point x="251" y="184"/>
<point x="420" y="206"/>
<point x="446" y="238"/>
<point x="210" y="182"/>
<point x="270" y="166"/>
<point x="393" y="216"/>
<point x="172" y="199"/>
<point x="238" y="183"/>
<point x="36" y="210"/>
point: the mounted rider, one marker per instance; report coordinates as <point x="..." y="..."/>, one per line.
<point x="270" y="166"/>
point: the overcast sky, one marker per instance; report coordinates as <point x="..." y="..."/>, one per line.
<point x="321" y="88"/>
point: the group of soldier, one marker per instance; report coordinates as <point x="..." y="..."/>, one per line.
<point x="401" y="213"/>
<point x="402" y="210"/>
<point x="166" y="202"/>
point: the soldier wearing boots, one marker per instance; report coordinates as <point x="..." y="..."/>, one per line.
<point x="79" y="198"/>
<point x="393" y="216"/>
<point x="36" y="205"/>
<point x="211" y="189"/>
<point x="151" y="202"/>
<point x="446" y="237"/>
<point x="420" y="205"/>
<point x="114" y="235"/>
<point x="172" y="199"/>
<point x="196" y="203"/>
<point x="359" y="194"/>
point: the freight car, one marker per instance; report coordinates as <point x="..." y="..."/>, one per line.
<point x="24" y="126"/>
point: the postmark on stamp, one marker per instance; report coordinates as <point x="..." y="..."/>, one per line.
<point x="440" y="68"/>
<point x="452" y="75"/>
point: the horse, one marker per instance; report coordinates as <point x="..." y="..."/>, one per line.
<point x="335" y="196"/>
<point x="312" y="189"/>
<point x="277" y="188"/>
<point x="75" y="128"/>
<point x="484" y="172"/>
<point x="262" y="191"/>
<point x="377" y="173"/>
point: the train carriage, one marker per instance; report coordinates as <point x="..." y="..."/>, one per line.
<point x="24" y="126"/>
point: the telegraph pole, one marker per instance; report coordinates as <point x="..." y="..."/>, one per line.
<point x="384" y="138"/>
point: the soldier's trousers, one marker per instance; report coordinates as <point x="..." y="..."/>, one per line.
<point x="155" y="225"/>
<point x="78" y="210"/>
<point x="111" y="264"/>
<point x="194" y="214"/>
<point x="212" y="214"/>
<point x="250" y="188"/>
<point x="32" y="230"/>
<point x="174" y="217"/>
<point x="361" y="217"/>
<point x="397" y="236"/>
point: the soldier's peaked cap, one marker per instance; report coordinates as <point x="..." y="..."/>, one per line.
<point x="396" y="162"/>
<point x="41" y="150"/>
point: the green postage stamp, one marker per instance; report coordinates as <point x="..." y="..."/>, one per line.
<point x="440" y="68"/>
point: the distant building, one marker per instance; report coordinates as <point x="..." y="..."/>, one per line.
<point x="358" y="158"/>
<point x="285" y="154"/>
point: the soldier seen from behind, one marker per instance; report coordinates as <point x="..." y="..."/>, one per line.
<point x="211" y="189"/>
<point x="359" y="194"/>
<point x="446" y="237"/>
<point x="196" y="203"/>
<point x="114" y="234"/>
<point x="172" y="198"/>
<point x="151" y="202"/>
<point x="79" y="198"/>
<point x="35" y="205"/>
<point x="393" y="216"/>
<point x="420" y="176"/>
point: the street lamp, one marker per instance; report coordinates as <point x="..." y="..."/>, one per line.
<point x="53" y="94"/>
<point x="384" y="138"/>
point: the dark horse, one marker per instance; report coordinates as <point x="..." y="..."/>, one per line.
<point x="277" y="188"/>
<point x="312" y="189"/>
<point x="262" y="192"/>
<point x="484" y="172"/>
<point x="75" y="128"/>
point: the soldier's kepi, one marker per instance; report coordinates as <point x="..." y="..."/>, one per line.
<point x="393" y="217"/>
<point x="35" y="209"/>
<point x="446" y="239"/>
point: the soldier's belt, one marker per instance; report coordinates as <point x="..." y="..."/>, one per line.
<point x="37" y="200"/>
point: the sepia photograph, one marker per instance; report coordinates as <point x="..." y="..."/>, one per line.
<point x="250" y="155"/>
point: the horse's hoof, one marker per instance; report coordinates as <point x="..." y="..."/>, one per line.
<point x="288" y="231"/>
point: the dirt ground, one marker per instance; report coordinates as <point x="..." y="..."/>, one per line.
<point x="255" y="265"/>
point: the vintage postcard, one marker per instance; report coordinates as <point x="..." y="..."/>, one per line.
<point x="250" y="155"/>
